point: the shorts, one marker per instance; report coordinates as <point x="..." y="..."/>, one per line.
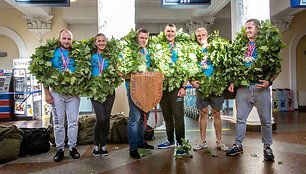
<point x="216" y="102"/>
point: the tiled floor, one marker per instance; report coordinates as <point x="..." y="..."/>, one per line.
<point x="289" y="150"/>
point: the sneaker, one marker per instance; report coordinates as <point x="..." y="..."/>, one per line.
<point x="222" y="146"/>
<point x="268" y="154"/>
<point x="134" y="154"/>
<point x="236" y="149"/>
<point x="200" y="145"/>
<point x="74" y="153"/>
<point x="179" y="151"/>
<point x="165" y="145"/>
<point x="96" y="151"/>
<point x="104" y="152"/>
<point x="145" y="145"/>
<point x="59" y="155"/>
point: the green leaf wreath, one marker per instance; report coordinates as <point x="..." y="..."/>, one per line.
<point x="217" y="51"/>
<point x="98" y="88"/>
<point x="132" y="60"/>
<point x="66" y="82"/>
<point x="80" y="82"/>
<point x="174" y="73"/>
<point x="268" y="62"/>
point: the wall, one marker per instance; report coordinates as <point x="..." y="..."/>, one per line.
<point x="9" y="46"/>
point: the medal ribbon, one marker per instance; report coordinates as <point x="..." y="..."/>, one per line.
<point x="250" y="50"/>
<point x="65" y="60"/>
<point x="100" y="64"/>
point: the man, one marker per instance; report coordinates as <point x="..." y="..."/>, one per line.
<point x="136" y="115"/>
<point x="257" y="94"/>
<point x="62" y="104"/>
<point x="213" y="100"/>
<point x="171" y="103"/>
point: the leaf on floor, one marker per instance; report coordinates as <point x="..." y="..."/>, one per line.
<point x="280" y="162"/>
<point x="144" y="152"/>
<point x="254" y="155"/>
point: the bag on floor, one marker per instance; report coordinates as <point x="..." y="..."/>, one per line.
<point x="85" y="130"/>
<point x="10" y="141"/>
<point x="149" y="133"/>
<point x="118" y="132"/>
<point x="35" y="141"/>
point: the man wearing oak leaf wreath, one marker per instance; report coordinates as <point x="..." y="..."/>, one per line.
<point x="257" y="94"/>
<point x="62" y="104"/>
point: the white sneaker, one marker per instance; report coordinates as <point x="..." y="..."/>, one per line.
<point x="200" y="145"/>
<point x="222" y="146"/>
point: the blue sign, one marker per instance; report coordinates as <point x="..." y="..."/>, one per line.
<point x="298" y="3"/>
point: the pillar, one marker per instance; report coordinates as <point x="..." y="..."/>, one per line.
<point x="116" y="18"/>
<point x="241" y="11"/>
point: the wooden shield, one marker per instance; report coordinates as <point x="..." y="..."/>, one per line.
<point x="146" y="89"/>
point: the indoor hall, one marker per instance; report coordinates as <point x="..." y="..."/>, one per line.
<point x="22" y="29"/>
<point x="289" y="142"/>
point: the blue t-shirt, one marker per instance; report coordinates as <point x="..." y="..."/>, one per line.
<point x="209" y="67"/>
<point x="61" y="61"/>
<point x="95" y="58"/>
<point x="148" y="62"/>
<point x="174" y="53"/>
<point x="254" y="55"/>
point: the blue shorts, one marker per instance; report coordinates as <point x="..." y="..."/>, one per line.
<point x="216" y="102"/>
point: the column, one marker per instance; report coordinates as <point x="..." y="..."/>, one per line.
<point x="116" y="18"/>
<point x="39" y="25"/>
<point x="241" y="11"/>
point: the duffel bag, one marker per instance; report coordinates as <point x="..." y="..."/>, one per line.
<point x="10" y="140"/>
<point x="35" y="141"/>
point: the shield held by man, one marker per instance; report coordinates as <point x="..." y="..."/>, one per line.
<point x="146" y="89"/>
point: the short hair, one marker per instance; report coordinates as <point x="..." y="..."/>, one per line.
<point x="202" y="28"/>
<point x="256" y="22"/>
<point x="170" y="25"/>
<point x="65" y="30"/>
<point x="142" y="30"/>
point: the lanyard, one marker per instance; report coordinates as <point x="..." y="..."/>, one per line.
<point x="65" y="60"/>
<point x="144" y="51"/>
<point x="250" y="50"/>
<point x="99" y="63"/>
<point x="171" y="46"/>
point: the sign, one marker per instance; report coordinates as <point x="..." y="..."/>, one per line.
<point x="146" y="89"/>
<point x="21" y="63"/>
<point x="185" y="3"/>
<point x="298" y="3"/>
<point x="44" y="3"/>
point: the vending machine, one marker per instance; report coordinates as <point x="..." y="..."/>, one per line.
<point x="6" y="97"/>
<point x="27" y="91"/>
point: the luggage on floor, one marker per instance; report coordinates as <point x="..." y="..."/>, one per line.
<point x="10" y="140"/>
<point x="118" y="132"/>
<point x="35" y="141"/>
<point x="149" y="133"/>
<point x="85" y="133"/>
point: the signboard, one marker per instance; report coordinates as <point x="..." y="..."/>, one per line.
<point x="44" y="3"/>
<point x="185" y="3"/>
<point x="298" y="3"/>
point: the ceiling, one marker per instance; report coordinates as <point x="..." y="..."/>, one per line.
<point x="147" y="11"/>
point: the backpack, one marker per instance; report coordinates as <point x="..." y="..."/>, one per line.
<point x="149" y="133"/>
